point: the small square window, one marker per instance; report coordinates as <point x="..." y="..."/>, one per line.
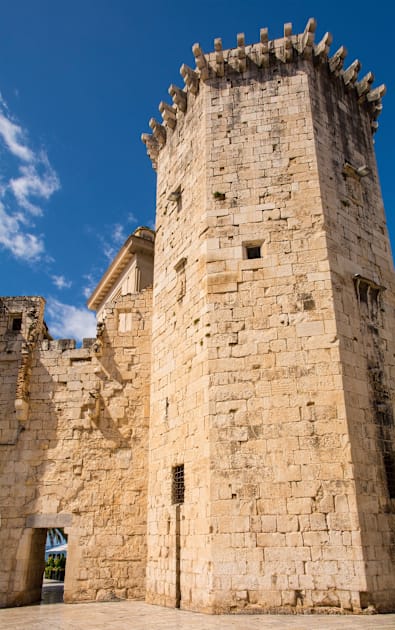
<point x="178" y="487"/>
<point x="253" y="251"/>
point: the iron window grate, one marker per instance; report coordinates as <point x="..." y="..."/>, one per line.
<point x="178" y="486"/>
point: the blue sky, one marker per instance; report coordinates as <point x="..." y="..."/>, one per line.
<point x="79" y="81"/>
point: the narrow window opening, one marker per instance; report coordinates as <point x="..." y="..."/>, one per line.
<point x="16" y="323"/>
<point x="369" y="297"/>
<point x="178" y="486"/>
<point x="253" y="251"/>
<point x="363" y="292"/>
<point x="389" y="466"/>
<point x="181" y="278"/>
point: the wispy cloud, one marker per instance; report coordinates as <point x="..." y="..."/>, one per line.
<point x="13" y="135"/>
<point x="131" y="218"/>
<point x="118" y="233"/>
<point x="37" y="180"/>
<point x="14" y="238"/>
<point x="91" y="282"/>
<point x="22" y="193"/>
<point x="60" y="282"/>
<point x="67" y="321"/>
<point x="111" y="243"/>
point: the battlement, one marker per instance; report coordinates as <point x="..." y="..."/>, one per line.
<point x="246" y="60"/>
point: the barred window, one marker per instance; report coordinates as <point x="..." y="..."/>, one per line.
<point x="178" y="487"/>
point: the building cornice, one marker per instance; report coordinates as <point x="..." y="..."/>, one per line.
<point x="136" y="243"/>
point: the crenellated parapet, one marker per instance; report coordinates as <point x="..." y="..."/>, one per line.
<point x="244" y="59"/>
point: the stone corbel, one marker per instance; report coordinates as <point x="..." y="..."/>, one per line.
<point x="350" y="75"/>
<point x="158" y="131"/>
<point x="152" y="147"/>
<point x="364" y="85"/>
<point x="263" y="55"/>
<point x="201" y="61"/>
<point x="219" y="57"/>
<point x="377" y="93"/>
<point x="179" y="98"/>
<point x="168" y="114"/>
<point x="307" y="45"/>
<point x="241" y="53"/>
<point x="321" y="51"/>
<point x="191" y="78"/>
<point x="287" y="50"/>
<point x="377" y="109"/>
<point x="336" y="62"/>
<point x="374" y="99"/>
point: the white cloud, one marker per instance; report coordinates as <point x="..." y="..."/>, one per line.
<point x="60" y="282"/>
<point x="20" y="196"/>
<point x="66" y="321"/>
<point x="91" y="284"/>
<point x="131" y="218"/>
<point x="109" y="251"/>
<point x="14" y="237"/>
<point x="116" y="236"/>
<point x="31" y="183"/>
<point x="13" y="136"/>
<point x="118" y="233"/>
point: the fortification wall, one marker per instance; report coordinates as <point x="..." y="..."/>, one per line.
<point x="285" y="506"/>
<point x="79" y="459"/>
<point x="364" y="292"/>
<point x="179" y="403"/>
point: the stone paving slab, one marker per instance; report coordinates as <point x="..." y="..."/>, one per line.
<point x="132" y="615"/>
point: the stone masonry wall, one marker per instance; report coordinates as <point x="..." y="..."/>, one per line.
<point x="179" y="402"/>
<point x="364" y="290"/>
<point x="80" y="461"/>
<point x="280" y="451"/>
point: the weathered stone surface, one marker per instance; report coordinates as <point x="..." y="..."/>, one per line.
<point x="267" y="481"/>
<point x="264" y="374"/>
<point x="78" y="457"/>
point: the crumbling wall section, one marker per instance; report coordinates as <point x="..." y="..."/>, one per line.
<point x="82" y="459"/>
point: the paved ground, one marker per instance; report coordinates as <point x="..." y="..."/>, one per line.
<point x="128" y="615"/>
<point x="52" y="592"/>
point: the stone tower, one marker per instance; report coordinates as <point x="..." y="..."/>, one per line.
<point x="271" y="453"/>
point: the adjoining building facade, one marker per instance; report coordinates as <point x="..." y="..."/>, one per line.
<point x="227" y="441"/>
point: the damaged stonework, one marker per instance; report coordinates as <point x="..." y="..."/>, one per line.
<point x="73" y="451"/>
<point x="20" y="328"/>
